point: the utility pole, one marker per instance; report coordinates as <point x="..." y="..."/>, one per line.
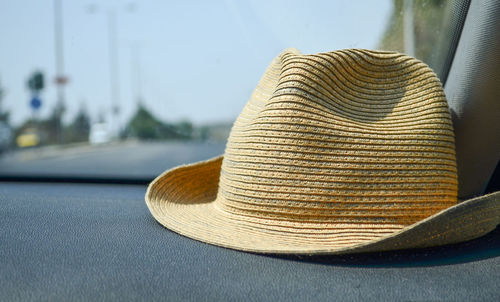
<point x="135" y="69"/>
<point x="114" y="66"/>
<point x="113" y="70"/>
<point x="60" y="79"/>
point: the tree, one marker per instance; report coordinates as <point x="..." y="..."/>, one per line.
<point x="53" y="125"/>
<point x="36" y="82"/>
<point x="184" y="129"/>
<point x="4" y="115"/>
<point x="144" y="125"/>
<point x="79" y="129"/>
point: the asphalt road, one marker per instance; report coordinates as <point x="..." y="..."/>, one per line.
<point x="131" y="159"/>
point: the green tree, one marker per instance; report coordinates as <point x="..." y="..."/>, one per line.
<point x="4" y="115"/>
<point x="184" y="129"/>
<point x="79" y="129"/>
<point x="54" y="126"/>
<point x="144" y="125"/>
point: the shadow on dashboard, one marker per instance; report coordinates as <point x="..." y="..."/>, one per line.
<point x="485" y="247"/>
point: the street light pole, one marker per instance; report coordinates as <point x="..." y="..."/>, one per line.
<point x="136" y="71"/>
<point x="61" y="80"/>
<point x="113" y="70"/>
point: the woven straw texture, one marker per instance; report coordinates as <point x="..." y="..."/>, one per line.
<point x="339" y="152"/>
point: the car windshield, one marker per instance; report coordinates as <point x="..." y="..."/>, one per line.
<point x="127" y="89"/>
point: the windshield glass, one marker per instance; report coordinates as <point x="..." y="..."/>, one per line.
<point x="130" y="88"/>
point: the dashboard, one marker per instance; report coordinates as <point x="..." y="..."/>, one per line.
<point x="71" y="242"/>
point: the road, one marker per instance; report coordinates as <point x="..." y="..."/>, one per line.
<point x="131" y="159"/>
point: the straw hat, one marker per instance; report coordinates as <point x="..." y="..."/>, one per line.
<point x="340" y="152"/>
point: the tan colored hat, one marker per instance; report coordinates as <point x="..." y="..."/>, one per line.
<point x="340" y="152"/>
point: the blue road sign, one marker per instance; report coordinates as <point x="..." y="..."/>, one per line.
<point x="35" y="103"/>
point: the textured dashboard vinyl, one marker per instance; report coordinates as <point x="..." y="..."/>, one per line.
<point x="74" y="242"/>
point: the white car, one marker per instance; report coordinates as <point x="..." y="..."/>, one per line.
<point x="99" y="134"/>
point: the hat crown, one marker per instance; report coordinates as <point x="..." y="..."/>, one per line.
<point x="351" y="136"/>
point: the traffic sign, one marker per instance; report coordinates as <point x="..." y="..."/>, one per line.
<point x="61" y="80"/>
<point x="35" y="103"/>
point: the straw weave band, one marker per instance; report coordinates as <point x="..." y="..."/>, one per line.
<point x="353" y="136"/>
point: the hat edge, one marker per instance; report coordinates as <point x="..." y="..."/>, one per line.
<point x="152" y="185"/>
<point x="432" y="231"/>
<point x="488" y="204"/>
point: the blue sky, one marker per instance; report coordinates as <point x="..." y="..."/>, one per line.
<point x="199" y="60"/>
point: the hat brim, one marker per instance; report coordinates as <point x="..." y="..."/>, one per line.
<point x="183" y="200"/>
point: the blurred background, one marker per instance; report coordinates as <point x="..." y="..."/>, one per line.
<point x="130" y="88"/>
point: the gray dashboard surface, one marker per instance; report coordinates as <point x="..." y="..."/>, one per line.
<point x="72" y="242"/>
